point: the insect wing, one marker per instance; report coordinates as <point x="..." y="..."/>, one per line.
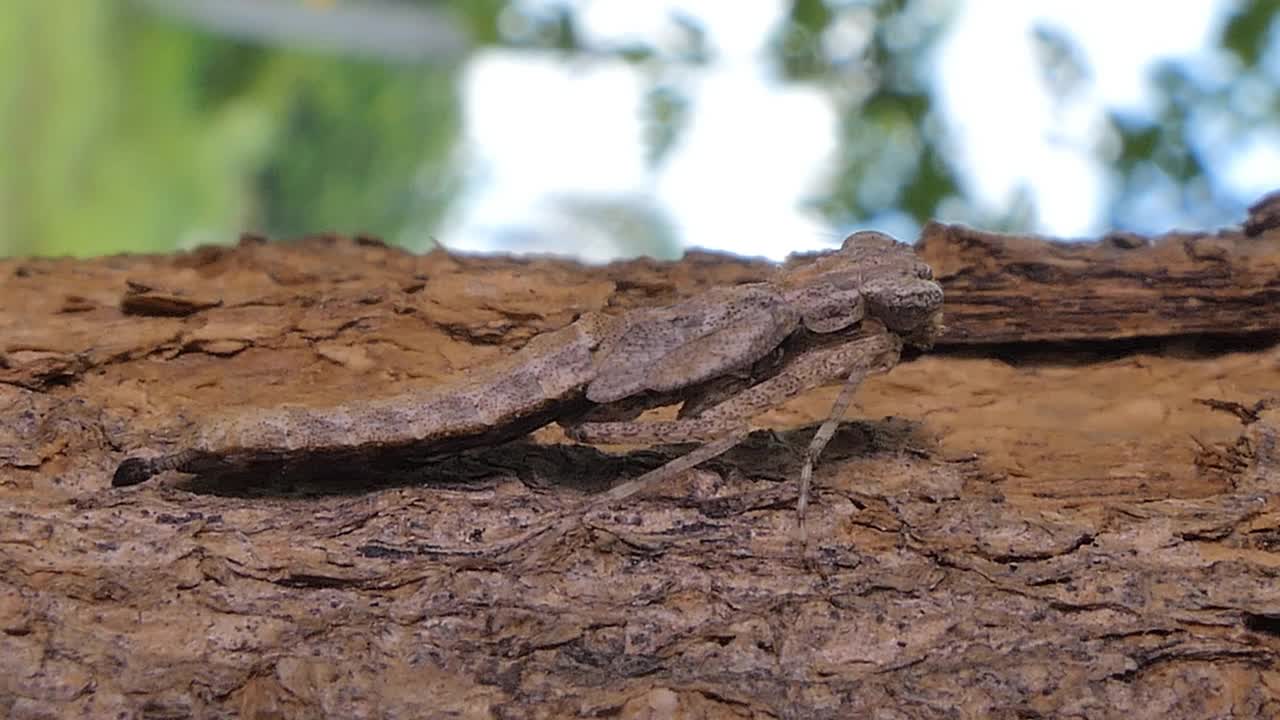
<point x="691" y="342"/>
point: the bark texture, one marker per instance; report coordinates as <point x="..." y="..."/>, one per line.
<point x="1021" y="289"/>
<point x="1007" y="527"/>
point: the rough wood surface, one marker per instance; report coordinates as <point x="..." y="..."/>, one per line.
<point x="1003" y="288"/>
<point x="1022" y="531"/>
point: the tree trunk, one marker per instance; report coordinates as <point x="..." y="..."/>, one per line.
<point x="1006" y="527"/>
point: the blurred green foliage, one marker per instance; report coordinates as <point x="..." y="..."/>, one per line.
<point x="126" y="130"/>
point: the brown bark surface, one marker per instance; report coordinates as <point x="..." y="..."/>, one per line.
<point x="1011" y="289"/>
<point x="1027" y="529"/>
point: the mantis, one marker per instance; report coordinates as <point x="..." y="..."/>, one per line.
<point x="726" y="356"/>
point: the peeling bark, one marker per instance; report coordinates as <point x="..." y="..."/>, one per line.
<point x="1003" y="288"/>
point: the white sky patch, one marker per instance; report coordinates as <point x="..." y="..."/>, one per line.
<point x="745" y="163"/>
<point x="532" y="109"/>
<point x="1251" y="172"/>
<point x="1123" y="39"/>
<point x="535" y="128"/>
<point x="1012" y="133"/>
<point x="754" y="150"/>
<point x="538" y="128"/>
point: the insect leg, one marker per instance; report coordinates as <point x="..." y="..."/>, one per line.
<point x="725" y="425"/>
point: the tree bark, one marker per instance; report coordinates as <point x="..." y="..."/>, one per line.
<point x="1019" y="289"/>
<point x="1015" y="530"/>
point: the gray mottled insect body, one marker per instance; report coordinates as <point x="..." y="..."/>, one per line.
<point x="545" y="374"/>
<point x="665" y="349"/>
<point x="728" y="355"/>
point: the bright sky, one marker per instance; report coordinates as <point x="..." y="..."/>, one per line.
<point x="541" y="129"/>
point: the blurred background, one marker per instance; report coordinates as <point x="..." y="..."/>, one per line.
<point x="610" y="128"/>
